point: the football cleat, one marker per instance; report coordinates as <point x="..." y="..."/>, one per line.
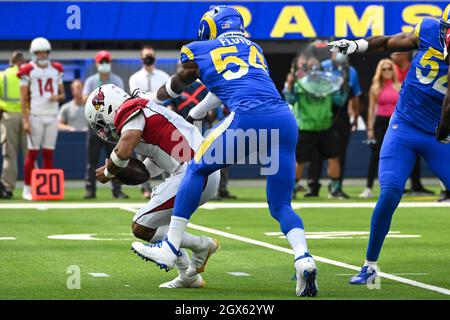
<point x="183" y="281"/>
<point x="26" y="193"/>
<point x="366" y="276"/>
<point x="200" y="257"/>
<point x="162" y="253"/>
<point x="306" y="273"/>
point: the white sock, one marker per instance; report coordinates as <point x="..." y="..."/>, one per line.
<point x="160" y="232"/>
<point x="296" y="238"/>
<point x="182" y="263"/>
<point x="176" y="230"/>
<point x="372" y="264"/>
<point x="190" y="241"/>
<point x="26" y="188"/>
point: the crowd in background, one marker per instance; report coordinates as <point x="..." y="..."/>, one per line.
<point x="327" y="113"/>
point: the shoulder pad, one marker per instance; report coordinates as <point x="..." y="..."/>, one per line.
<point x="25" y="70"/>
<point x="127" y="111"/>
<point x="58" y="66"/>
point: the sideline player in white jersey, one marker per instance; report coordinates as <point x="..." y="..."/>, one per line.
<point x="168" y="143"/>
<point x="41" y="89"/>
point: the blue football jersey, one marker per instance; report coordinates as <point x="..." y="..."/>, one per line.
<point x="425" y="85"/>
<point x="235" y="70"/>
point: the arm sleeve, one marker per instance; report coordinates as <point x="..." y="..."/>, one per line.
<point x="152" y="168"/>
<point x="209" y="103"/>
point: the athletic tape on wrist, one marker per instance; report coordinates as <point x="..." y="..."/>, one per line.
<point x="169" y="90"/>
<point x="117" y="161"/>
<point x="107" y="174"/>
<point x="361" y="45"/>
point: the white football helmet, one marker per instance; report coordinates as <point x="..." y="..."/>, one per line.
<point x="100" y="109"/>
<point x="39" y="44"/>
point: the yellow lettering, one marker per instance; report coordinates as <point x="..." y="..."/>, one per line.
<point x="413" y="14"/>
<point x="301" y="24"/>
<point x="371" y="20"/>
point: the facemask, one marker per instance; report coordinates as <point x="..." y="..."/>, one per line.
<point x="104" y="67"/>
<point x="42" y="63"/>
<point x="148" y="60"/>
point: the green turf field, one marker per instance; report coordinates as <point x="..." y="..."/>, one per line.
<point x="35" y="267"/>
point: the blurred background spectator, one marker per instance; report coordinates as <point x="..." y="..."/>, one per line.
<point x="13" y="138"/>
<point x="71" y="115"/>
<point x="383" y="96"/>
<point x="95" y="144"/>
<point x="148" y="79"/>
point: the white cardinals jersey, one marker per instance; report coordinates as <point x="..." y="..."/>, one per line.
<point x="167" y="140"/>
<point x="42" y="83"/>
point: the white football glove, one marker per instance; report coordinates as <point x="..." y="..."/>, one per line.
<point x="345" y="46"/>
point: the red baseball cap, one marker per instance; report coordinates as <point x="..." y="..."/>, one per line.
<point x="102" y="55"/>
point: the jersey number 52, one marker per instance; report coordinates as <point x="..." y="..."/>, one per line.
<point x="425" y="61"/>
<point x="255" y="59"/>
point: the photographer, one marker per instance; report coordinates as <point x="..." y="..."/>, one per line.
<point x="310" y="91"/>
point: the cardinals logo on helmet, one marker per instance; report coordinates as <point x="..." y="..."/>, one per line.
<point x="99" y="99"/>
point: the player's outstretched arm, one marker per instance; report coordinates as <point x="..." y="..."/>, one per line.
<point x="405" y="41"/>
<point x="443" y="130"/>
<point x="120" y="156"/>
<point x="200" y="111"/>
<point x="186" y="74"/>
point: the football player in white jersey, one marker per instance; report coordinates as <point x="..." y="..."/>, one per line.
<point x="168" y="143"/>
<point x="41" y="89"/>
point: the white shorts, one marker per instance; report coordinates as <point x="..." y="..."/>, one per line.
<point x="159" y="209"/>
<point x="44" y="132"/>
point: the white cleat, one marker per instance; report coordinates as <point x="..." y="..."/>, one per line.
<point x="183" y="281"/>
<point x="367" y="193"/>
<point x="26" y="193"/>
<point x="200" y="257"/>
<point x="306" y="272"/>
<point x="162" y="253"/>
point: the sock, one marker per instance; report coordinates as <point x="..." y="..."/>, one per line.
<point x="371" y="264"/>
<point x="188" y="240"/>
<point x="176" y="230"/>
<point x="335" y="184"/>
<point x="30" y="159"/>
<point x="182" y="263"/>
<point x="160" y="232"/>
<point x="296" y="238"/>
<point x="48" y="158"/>
<point x="381" y="220"/>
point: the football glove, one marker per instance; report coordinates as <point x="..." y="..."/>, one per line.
<point x="443" y="134"/>
<point x="345" y="46"/>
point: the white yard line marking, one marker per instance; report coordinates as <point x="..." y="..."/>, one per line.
<point x="99" y="274"/>
<point x="395" y="274"/>
<point x="212" y="205"/>
<point x="317" y="258"/>
<point x="239" y="274"/>
<point x="7" y="238"/>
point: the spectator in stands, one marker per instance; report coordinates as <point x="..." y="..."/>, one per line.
<point x="148" y="79"/>
<point x="345" y="101"/>
<point x="71" y="115"/>
<point x="402" y="62"/>
<point x="104" y="75"/>
<point x="314" y="118"/>
<point x="13" y="138"/>
<point x="383" y="96"/>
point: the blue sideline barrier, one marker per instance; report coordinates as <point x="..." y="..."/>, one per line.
<point x="70" y="155"/>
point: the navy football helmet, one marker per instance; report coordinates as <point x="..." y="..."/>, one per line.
<point x="220" y="20"/>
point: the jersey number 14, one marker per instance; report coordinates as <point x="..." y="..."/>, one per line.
<point x="255" y="59"/>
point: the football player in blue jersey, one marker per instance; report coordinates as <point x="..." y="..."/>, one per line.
<point x="419" y="125"/>
<point x="234" y="69"/>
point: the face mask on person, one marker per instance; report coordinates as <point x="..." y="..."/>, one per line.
<point x="104" y="67"/>
<point x="148" y="60"/>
